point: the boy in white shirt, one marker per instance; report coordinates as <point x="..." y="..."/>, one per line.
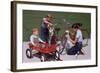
<point x="78" y="40"/>
<point x="35" y="40"/>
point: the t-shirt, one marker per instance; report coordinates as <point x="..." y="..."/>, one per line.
<point x="35" y="39"/>
<point x="79" y="35"/>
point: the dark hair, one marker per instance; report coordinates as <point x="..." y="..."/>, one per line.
<point x="77" y="25"/>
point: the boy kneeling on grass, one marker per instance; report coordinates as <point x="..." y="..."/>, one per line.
<point x="78" y="40"/>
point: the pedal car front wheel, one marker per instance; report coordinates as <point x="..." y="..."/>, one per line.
<point x="29" y="53"/>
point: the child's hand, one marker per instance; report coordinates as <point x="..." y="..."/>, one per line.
<point x="50" y="24"/>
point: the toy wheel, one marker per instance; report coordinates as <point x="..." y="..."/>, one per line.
<point x="57" y="55"/>
<point x="42" y="58"/>
<point x="29" y="53"/>
<point x="62" y="46"/>
<point x="61" y="50"/>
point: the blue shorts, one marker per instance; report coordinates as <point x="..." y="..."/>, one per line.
<point x="75" y="49"/>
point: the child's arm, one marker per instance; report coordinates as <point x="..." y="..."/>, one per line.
<point x="48" y="24"/>
<point x="76" y="38"/>
<point x="74" y="42"/>
<point x="41" y="41"/>
<point x="45" y="21"/>
<point x="32" y="40"/>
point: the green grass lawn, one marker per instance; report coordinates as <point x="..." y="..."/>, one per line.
<point x="32" y="19"/>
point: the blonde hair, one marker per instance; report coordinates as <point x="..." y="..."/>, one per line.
<point x="49" y="15"/>
<point x="34" y="30"/>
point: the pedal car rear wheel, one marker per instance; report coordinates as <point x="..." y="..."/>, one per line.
<point x="29" y="53"/>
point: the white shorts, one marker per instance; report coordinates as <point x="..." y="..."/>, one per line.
<point x="34" y="51"/>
